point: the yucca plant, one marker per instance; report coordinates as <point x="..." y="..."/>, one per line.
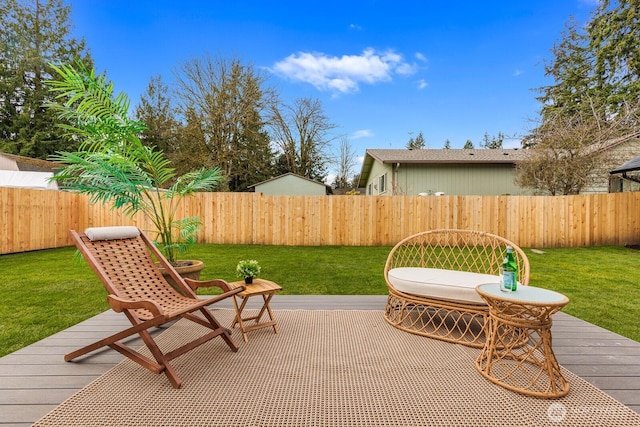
<point x="113" y="166"/>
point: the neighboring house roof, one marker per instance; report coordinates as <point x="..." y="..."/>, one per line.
<point x="439" y="156"/>
<point x="447" y="155"/>
<point x="631" y="165"/>
<point x="22" y="163"/>
<point x="290" y="174"/>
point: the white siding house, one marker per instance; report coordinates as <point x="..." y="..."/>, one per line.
<point x="612" y="154"/>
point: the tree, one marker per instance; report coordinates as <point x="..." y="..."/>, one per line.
<point x="166" y="133"/>
<point x="418" y="143"/>
<point x="599" y="65"/>
<point x="492" y="142"/>
<point x="468" y="145"/>
<point x="571" y="70"/>
<point x="346" y="163"/>
<point x="188" y="153"/>
<point x="447" y="144"/>
<point x="223" y="102"/>
<point x="593" y="99"/>
<point x="614" y="32"/>
<point x="566" y="152"/>
<point x="301" y="133"/>
<point x="33" y="34"/>
<point x="159" y="116"/>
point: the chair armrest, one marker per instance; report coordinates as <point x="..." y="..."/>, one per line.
<point x="120" y="304"/>
<point x="225" y="286"/>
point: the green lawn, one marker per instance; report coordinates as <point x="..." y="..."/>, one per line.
<point x="46" y="291"/>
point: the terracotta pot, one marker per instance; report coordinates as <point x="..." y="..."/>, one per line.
<point x="189" y="269"/>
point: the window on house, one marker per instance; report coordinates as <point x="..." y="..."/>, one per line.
<point x="383" y="183"/>
<point x="369" y="192"/>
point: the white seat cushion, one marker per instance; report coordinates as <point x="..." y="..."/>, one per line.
<point x="435" y="283"/>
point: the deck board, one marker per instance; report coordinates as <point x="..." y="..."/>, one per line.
<point x="35" y="379"/>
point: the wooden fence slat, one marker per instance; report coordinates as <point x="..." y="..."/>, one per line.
<point x="37" y="219"/>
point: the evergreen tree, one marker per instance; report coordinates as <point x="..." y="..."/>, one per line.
<point x="597" y="69"/>
<point x="158" y="115"/>
<point x="571" y="70"/>
<point x="188" y="153"/>
<point x="33" y="34"/>
<point x="593" y="99"/>
<point x="418" y="143"/>
<point x="614" y="34"/>
<point x="492" y="142"/>
<point x="468" y="145"/>
<point x="447" y="145"/>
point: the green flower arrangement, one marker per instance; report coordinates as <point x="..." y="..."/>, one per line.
<point x="248" y="269"/>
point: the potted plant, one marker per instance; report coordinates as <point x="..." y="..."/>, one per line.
<point x="248" y="269"/>
<point x="112" y="165"/>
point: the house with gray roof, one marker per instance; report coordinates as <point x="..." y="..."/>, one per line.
<point x="291" y="184"/>
<point x="441" y="171"/>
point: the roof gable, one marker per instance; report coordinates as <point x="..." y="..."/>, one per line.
<point x="29" y="164"/>
<point x="289" y="174"/>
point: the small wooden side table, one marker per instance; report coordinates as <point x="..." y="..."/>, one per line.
<point x="517" y="353"/>
<point x="267" y="290"/>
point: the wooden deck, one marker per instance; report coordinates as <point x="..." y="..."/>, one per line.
<point x="35" y="380"/>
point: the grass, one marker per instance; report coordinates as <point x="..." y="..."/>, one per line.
<point x="46" y="291"/>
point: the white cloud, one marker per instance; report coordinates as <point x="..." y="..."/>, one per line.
<point x="517" y="73"/>
<point x="355" y="27"/>
<point x="363" y="133"/>
<point x="343" y="74"/>
<point x="421" y="57"/>
<point x="422" y="84"/>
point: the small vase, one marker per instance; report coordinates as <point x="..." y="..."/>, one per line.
<point x="248" y="280"/>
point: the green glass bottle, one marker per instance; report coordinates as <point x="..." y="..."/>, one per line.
<point x="509" y="272"/>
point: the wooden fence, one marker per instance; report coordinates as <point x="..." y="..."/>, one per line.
<point x="36" y="219"/>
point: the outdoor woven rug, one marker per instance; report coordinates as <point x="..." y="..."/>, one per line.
<point x="325" y="368"/>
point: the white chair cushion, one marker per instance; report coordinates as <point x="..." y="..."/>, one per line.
<point x="435" y="283"/>
<point x="111" y="233"/>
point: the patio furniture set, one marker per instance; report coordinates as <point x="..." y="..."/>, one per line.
<point x="122" y="258"/>
<point x="445" y="284"/>
<point x="442" y="284"/>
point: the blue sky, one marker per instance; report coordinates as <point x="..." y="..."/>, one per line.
<point x="383" y="70"/>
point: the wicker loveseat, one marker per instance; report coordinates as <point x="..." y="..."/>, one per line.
<point x="432" y="277"/>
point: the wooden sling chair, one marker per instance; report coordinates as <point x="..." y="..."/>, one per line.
<point x="122" y="258"/>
